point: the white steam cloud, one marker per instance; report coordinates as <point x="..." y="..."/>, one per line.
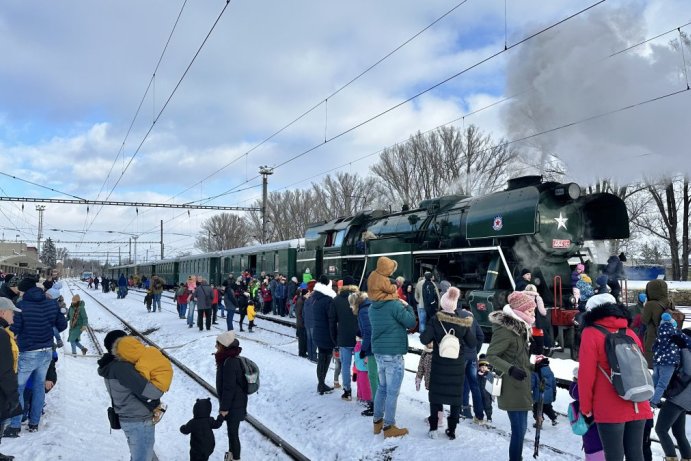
<point x="567" y="75"/>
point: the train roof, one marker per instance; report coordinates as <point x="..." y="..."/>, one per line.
<point x="295" y="243"/>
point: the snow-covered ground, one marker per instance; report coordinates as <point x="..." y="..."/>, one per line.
<point x="75" y="426"/>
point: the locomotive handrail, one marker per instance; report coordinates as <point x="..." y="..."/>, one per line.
<point x="557" y="282"/>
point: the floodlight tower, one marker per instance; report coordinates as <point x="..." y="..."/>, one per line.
<point x="265" y="171"/>
<point x="40" y="209"/>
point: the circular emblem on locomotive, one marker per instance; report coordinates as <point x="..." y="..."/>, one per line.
<point x="498" y="223"/>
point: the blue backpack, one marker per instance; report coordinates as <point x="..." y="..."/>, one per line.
<point x="576" y="419"/>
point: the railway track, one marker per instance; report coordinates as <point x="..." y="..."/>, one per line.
<point x="277" y="440"/>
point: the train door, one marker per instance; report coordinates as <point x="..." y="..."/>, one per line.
<point x="252" y="265"/>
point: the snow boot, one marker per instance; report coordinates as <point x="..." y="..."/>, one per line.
<point x="84" y="350"/>
<point x="11" y="432"/>
<point x="324" y="389"/>
<point x="451" y="431"/>
<point x="369" y="411"/>
<point x="671" y="458"/>
<point x="393" y="431"/>
<point x="378" y="425"/>
<point x="465" y="412"/>
<point x="433" y="434"/>
<point x="33" y="427"/>
<point x="346" y="394"/>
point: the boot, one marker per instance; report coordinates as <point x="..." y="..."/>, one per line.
<point x="393" y="431"/>
<point x="465" y="412"/>
<point x="346" y="395"/>
<point x="671" y="458"/>
<point x="84" y="350"/>
<point x="378" y="425"/>
<point x="451" y="431"/>
<point x="369" y="411"/>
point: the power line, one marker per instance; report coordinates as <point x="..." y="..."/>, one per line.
<point x="125" y="204"/>
<point x="39" y="185"/>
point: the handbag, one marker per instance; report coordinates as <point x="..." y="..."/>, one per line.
<point x="493" y="384"/>
<point x="113" y="418"/>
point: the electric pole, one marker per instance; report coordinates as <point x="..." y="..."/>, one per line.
<point x="40" y="209"/>
<point x="135" y="237"/>
<point x="161" y="239"/>
<point x="265" y="171"/>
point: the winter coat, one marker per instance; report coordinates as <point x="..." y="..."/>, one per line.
<point x="308" y="311"/>
<point x="550" y="391"/>
<point x="658" y="301"/>
<point x="122" y="281"/>
<point x="291" y="289"/>
<point x="521" y="283"/>
<point x="430" y="298"/>
<point x="231" y="388"/>
<point x="591" y="439"/>
<point x="182" y="295"/>
<point x="379" y="286"/>
<point x="683" y="399"/>
<point x="230" y="300"/>
<point x="9" y="395"/>
<point x="665" y="352"/>
<point x="202" y="442"/>
<point x="509" y="348"/>
<point x="447" y="376"/>
<point x="280" y="291"/>
<point x="299" y="312"/>
<point x="307" y="277"/>
<point x="342" y="322"/>
<point x="251" y="313"/>
<point x="77" y="318"/>
<point x="134" y="397"/>
<point x="33" y="327"/>
<point x="322" y="297"/>
<point x="6" y="292"/>
<point x="157" y="287"/>
<point x="365" y="327"/>
<point x="204" y="295"/>
<point x="242" y="303"/>
<point x="390" y="321"/>
<point x="597" y="394"/>
<point x="148" y="361"/>
<point x="470" y="353"/>
<point x="615" y="269"/>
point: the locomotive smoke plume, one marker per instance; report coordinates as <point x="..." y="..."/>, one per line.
<point x="567" y="75"/>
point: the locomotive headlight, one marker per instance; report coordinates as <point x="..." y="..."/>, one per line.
<point x="568" y="191"/>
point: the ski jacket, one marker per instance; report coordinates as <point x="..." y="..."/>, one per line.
<point x="390" y="321"/>
<point x="146" y="360"/>
<point x="33" y="327"/>
<point x="379" y="286"/>
<point x="202" y="441"/>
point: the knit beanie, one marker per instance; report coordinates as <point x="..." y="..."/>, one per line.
<point x="599" y="300"/>
<point x="449" y="300"/>
<point x="580" y="268"/>
<point x="525" y="271"/>
<point x="111" y="337"/>
<point x="602" y="280"/>
<point x="226" y="338"/>
<point x="26" y="284"/>
<point x="666" y="317"/>
<point x="521" y="302"/>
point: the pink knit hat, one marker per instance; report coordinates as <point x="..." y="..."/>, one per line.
<point x="580" y="268"/>
<point x="449" y="300"/>
<point x="521" y="302"/>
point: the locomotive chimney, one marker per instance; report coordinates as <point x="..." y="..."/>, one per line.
<point x="523" y="181"/>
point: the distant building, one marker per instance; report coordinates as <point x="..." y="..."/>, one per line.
<point x="17" y="257"/>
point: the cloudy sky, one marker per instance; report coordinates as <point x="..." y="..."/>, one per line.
<point x="74" y="73"/>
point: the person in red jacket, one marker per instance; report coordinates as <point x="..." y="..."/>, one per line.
<point x="620" y="422"/>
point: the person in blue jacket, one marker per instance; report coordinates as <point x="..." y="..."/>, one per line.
<point x="548" y="392"/>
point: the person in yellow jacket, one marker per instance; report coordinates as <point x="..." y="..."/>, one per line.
<point x="250" y="314"/>
<point x="149" y="362"/>
<point x="9" y="352"/>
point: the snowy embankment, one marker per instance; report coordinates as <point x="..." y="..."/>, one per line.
<point x="322" y="427"/>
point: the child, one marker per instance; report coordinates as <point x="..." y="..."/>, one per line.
<point x="547" y="391"/>
<point x="149" y="362"/>
<point x="78" y="321"/>
<point x="148" y="299"/>
<point x="591" y="439"/>
<point x="483" y="370"/>
<point x="424" y="370"/>
<point x="585" y="288"/>
<point x="250" y="314"/>
<point x="379" y="285"/>
<point x="364" y="391"/>
<point x="202" y="442"/>
<point x="666" y="357"/>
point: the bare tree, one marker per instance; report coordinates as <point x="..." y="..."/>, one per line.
<point x="61" y="253"/>
<point x="342" y="195"/>
<point x="446" y="160"/>
<point x="223" y="231"/>
<point x="287" y="213"/>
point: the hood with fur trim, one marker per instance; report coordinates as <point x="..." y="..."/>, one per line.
<point x="507" y="319"/>
<point x="325" y="290"/>
<point x="348" y="289"/>
<point x="606" y="310"/>
<point x="386" y="266"/>
<point x="460" y="321"/>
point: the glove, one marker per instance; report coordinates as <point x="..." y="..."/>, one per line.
<point x="679" y="341"/>
<point x="589" y="420"/>
<point x="417" y="384"/>
<point x="517" y="374"/>
<point x="363" y="354"/>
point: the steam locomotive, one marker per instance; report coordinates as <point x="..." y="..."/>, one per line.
<point x="480" y="244"/>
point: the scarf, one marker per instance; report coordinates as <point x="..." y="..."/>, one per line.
<point x="226" y="353"/>
<point x="530" y="320"/>
<point x="75" y="315"/>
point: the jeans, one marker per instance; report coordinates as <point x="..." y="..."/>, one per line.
<point x="622" y="439"/>
<point x="183" y="310"/>
<point x="190" y="313"/>
<point x="222" y="309"/>
<point x="519" y="425"/>
<point x="229" y="319"/>
<point x="76" y="344"/>
<point x="422" y="319"/>
<point x="672" y="416"/>
<point x="390" y="369"/>
<point x="141" y="436"/>
<point x="56" y="335"/>
<point x="470" y="386"/>
<point x="291" y="312"/>
<point x="311" y="347"/>
<point x="157" y="301"/>
<point x="662" y="374"/>
<point x="346" y="362"/>
<point x="34" y="363"/>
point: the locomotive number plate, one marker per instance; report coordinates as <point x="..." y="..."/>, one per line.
<point x="558" y="243"/>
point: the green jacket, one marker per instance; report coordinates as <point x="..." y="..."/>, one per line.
<point x="76" y="322"/>
<point x="390" y="321"/>
<point x="509" y="347"/>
